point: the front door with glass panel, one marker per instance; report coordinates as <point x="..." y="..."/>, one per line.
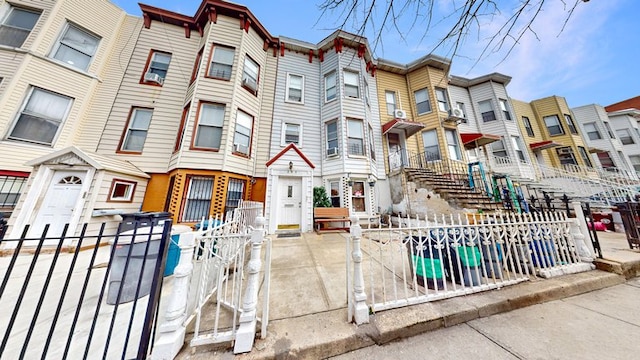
<point x="290" y="203"/>
<point x="397" y="155"/>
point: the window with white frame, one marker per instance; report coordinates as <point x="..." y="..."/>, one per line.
<point x="291" y="134"/>
<point x="443" y="102"/>
<point x="366" y="92"/>
<point x="608" y="127"/>
<point x="358" y="203"/>
<point x="41" y="117"/>
<point x="486" y="110"/>
<point x="221" y="63"/>
<point x="372" y="149"/>
<point x="243" y="133"/>
<point x="527" y="126"/>
<point x="196" y="65"/>
<point x="453" y="145"/>
<point x="605" y="160"/>
<point x="431" y="145"/>
<point x="351" y="84"/>
<point x="625" y="136"/>
<point x="570" y="124"/>
<point x="235" y="193"/>
<point x="157" y="68"/>
<point x="498" y="149"/>
<point x="566" y="156"/>
<point x="553" y="125"/>
<point x="136" y="131"/>
<point x="504" y="107"/>
<point x="122" y="190"/>
<point x="250" y="74"/>
<point x="76" y="47"/>
<point x="355" y="137"/>
<point x="635" y="162"/>
<point x="390" y="99"/>
<point x="330" y="86"/>
<point x="592" y="131"/>
<point x="209" y="126"/>
<point x="460" y="106"/>
<point x="295" y="86"/>
<point x="517" y="146"/>
<point x="331" y="133"/>
<point x="17" y="25"/>
<point x="198" y="199"/>
<point x="585" y="156"/>
<point x="423" y="105"/>
<point x="334" y="193"/>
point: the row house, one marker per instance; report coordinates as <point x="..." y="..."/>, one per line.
<point x="625" y="116"/>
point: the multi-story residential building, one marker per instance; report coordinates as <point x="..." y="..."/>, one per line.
<point x="625" y="118"/>
<point x="605" y="140"/>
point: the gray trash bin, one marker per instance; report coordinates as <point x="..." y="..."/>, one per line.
<point x="125" y="241"/>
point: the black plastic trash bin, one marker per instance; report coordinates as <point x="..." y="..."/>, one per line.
<point x="142" y="219"/>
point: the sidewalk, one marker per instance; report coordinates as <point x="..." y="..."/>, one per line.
<point x="308" y="315"/>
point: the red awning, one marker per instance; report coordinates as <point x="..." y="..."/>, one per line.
<point x="474" y="140"/>
<point x="542" y="145"/>
<point x="410" y="128"/>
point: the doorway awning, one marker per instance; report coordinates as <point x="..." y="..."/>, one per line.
<point x="474" y="140"/>
<point x="593" y="150"/>
<point x="543" y="145"/>
<point x="410" y="127"/>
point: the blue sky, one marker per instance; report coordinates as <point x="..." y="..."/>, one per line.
<point x="595" y="59"/>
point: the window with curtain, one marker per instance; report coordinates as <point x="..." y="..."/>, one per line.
<point x="334" y="193"/>
<point x="76" y="47"/>
<point x="431" y="145"/>
<point x="295" y="84"/>
<point x="198" y="198"/>
<point x="330" y="86"/>
<point x="136" y="131"/>
<point x="423" y="105"/>
<point x="41" y="117"/>
<point x="527" y="126"/>
<point x="243" y="133"/>
<point x="553" y="125"/>
<point x="441" y="96"/>
<point x="355" y="134"/>
<point x="16" y="26"/>
<point x="453" y="145"/>
<point x="351" y="84"/>
<point x="250" y="74"/>
<point x="358" y="202"/>
<point x="209" y="126"/>
<point x="605" y="160"/>
<point x="390" y="98"/>
<point x="570" y="124"/>
<point x="486" y="110"/>
<point x="221" y="62"/>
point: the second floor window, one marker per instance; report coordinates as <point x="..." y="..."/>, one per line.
<point x="250" y="74"/>
<point x="441" y="96"/>
<point x="157" y="68"/>
<point x="136" y="132"/>
<point x="608" y="127"/>
<point x="504" y="107"/>
<point x="461" y="107"/>
<point x="351" y="84"/>
<point x="499" y="150"/>
<point x="570" y="124"/>
<point x="625" y="136"/>
<point x="517" y="146"/>
<point x="486" y="110"/>
<point x="356" y="137"/>
<point x="390" y="99"/>
<point x="330" y="86"/>
<point x="221" y="62"/>
<point x="423" y="105"/>
<point x="372" y="149"/>
<point x="592" y="131"/>
<point x="41" y="117"/>
<point x="16" y="26"/>
<point x="243" y="133"/>
<point x="605" y="160"/>
<point x="332" y="138"/>
<point x="553" y="125"/>
<point x="209" y="126"/>
<point x="527" y="126"/>
<point x="295" y="85"/>
<point x="76" y="47"/>
<point x="291" y="134"/>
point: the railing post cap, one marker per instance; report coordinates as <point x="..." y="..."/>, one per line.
<point x="354" y="219"/>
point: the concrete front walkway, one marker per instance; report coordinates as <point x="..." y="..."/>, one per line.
<point x="308" y="315"/>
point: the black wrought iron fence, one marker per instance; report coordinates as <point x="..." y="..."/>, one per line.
<point x="86" y="296"/>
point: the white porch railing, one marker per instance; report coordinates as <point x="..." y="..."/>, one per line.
<point x="447" y="256"/>
<point x="219" y="273"/>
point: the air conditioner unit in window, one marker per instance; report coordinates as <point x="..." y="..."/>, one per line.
<point x="242" y="149"/>
<point x="399" y="114"/>
<point x="250" y="83"/>
<point x="564" y="151"/>
<point x="332" y="151"/>
<point x="456" y="113"/>
<point x="153" y="78"/>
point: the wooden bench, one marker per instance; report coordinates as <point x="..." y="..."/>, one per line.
<point x="331" y="215"/>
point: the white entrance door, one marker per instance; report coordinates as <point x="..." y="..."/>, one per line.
<point x="290" y="203"/>
<point x="58" y="204"/>
<point x="397" y="155"/>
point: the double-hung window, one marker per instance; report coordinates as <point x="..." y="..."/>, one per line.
<point x="198" y="199"/>
<point x="570" y="124"/>
<point x="431" y="145"/>
<point x="423" y="105"/>
<point x="183" y="122"/>
<point x="441" y="96"/>
<point x="553" y="125"/>
<point x="453" y="146"/>
<point x="334" y="193"/>
<point x="635" y="161"/>
<point x="331" y="129"/>
<point x="76" y="47"/>
<point x="390" y="99"/>
<point x="608" y="127"/>
<point x="605" y="160"/>
<point x="157" y="68"/>
<point x="355" y="134"/>
<point x="41" y="117"/>
<point x="16" y="26"/>
<point x="295" y="86"/>
<point x="136" y="131"/>
<point x="243" y="133"/>
<point x="209" y="126"/>
<point x="486" y="110"/>
<point x="358" y="202"/>
<point x="517" y="146"/>
<point x="221" y="62"/>
<point x="585" y="156"/>
<point x="291" y="134"/>
<point x="250" y="74"/>
<point x="592" y="131"/>
<point x="527" y="126"/>
<point x="372" y="149"/>
<point x="499" y="150"/>
<point x="330" y="87"/>
<point x="625" y="136"/>
<point x="504" y="107"/>
<point x="351" y="84"/>
<point x="196" y="65"/>
<point x="566" y="156"/>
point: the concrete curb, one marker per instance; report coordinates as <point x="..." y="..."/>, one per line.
<point x="628" y="269"/>
<point x="327" y="334"/>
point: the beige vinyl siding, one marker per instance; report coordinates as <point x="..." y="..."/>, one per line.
<point x="461" y="94"/>
<point x="264" y="133"/>
<point x="521" y="109"/>
<point x="166" y="101"/>
<point x="9" y="64"/>
<point x="45" y="6"/>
